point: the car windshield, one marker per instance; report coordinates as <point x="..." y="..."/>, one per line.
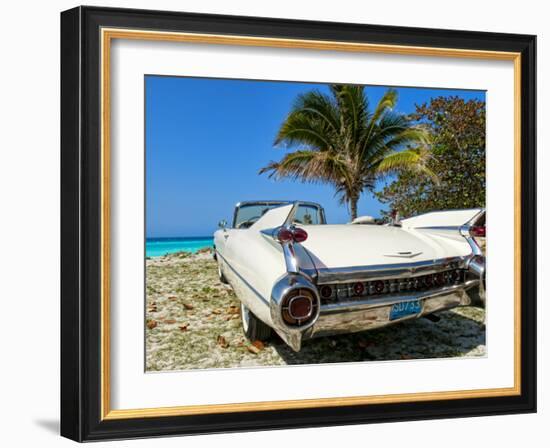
<point x="248" y="214"/>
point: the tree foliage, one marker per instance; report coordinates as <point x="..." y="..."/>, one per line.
<point x="457" y="129"/>
<point x="338" y="139"/>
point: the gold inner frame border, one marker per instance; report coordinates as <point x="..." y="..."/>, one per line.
<point x="107" y="36"/>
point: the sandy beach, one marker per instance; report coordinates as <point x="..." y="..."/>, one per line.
<point x="193" y="322"/>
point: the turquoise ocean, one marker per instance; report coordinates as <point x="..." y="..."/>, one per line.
<point x="156" y="247"/>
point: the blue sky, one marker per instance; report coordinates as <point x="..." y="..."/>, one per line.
<point x="206" y="139"/>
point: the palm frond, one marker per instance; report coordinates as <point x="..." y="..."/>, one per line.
<point x="312" y="106"/>
<point x="386" y="103"/>
<point x="412" y="159"/>
<point x="395" y="135"/>
<point x="383" y="124"/>
<point x="299" y="129"/>
<point x="309" y="166"/>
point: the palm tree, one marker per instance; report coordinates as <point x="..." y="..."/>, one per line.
<point x="338" y="140"/>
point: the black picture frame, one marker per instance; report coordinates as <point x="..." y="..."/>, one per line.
<point x="81" y="224"/>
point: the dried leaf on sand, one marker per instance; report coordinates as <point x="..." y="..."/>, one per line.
<point x="222" y="342"/>
<point x="253" y="349"/>
<point x="259" y="345"/>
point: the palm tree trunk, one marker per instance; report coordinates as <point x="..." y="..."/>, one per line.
<point x="353" y="206"/>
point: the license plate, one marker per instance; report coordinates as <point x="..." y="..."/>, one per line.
<point x="399" y="310"/>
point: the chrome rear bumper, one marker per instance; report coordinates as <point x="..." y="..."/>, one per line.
<point x="364" y="315"/>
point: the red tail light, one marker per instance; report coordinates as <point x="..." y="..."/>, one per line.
<point x="285" y="235"/>
<point x="326" y="291"/>
<point x="300" y="307"/>
<point x="379" y="286"/>
<point x="439" y="279"/>
<point x="300" y="235"/>
<point x="478" y="231"/>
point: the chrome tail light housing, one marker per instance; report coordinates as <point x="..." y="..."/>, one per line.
<point x="295" y="303"/>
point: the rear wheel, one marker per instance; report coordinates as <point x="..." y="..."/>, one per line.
<point x="254" y="329"/>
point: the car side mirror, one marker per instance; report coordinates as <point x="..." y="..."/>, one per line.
<point x="222" y="224"/>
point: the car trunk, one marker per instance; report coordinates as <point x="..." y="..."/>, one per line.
<point x="338" y="246"/>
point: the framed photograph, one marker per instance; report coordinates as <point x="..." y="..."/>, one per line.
<point x="277" y="224"/>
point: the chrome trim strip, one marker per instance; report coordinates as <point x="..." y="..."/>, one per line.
<point x="291" y="261"/>
<point x="276" y="201"/>
<point x="447" y="210"/>
<point x="243" y="280"/>
<point x="403" y="255"/>
<point x="387" y="271"/>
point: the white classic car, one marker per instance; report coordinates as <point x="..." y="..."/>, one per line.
<point x="303" y="278"/>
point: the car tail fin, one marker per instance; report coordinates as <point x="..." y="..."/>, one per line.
<point x="444" y="219"/>
<point x="276" y="217"/>
<point x="469" y="224"/>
